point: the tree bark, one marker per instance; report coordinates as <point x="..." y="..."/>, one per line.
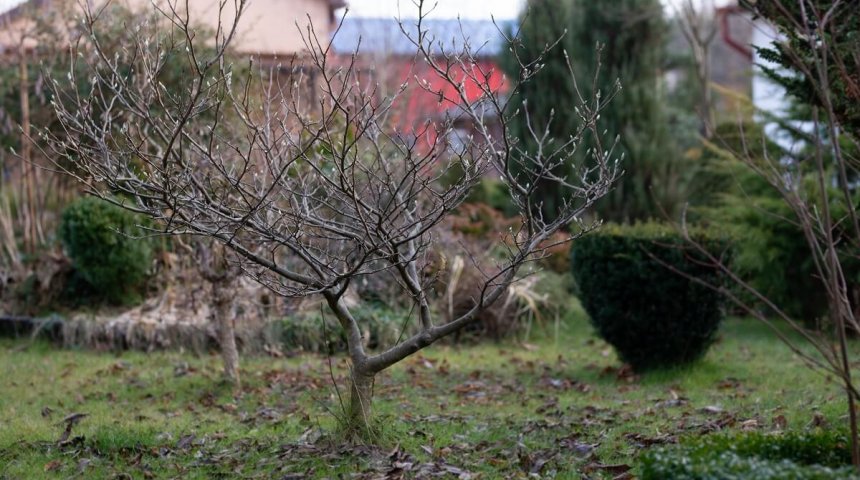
<point x="359" y="411"/>
<point x="226" y="326"/>
<point x="216" y="269"/>
<point x="852" y="421"/>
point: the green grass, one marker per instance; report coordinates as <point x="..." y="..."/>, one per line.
<point x="557" y="406"/>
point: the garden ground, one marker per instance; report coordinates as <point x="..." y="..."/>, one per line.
<point x="556" y="406"/>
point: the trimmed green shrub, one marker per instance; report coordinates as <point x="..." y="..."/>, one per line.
<point x="808" y="456"/>
<point x="104" y="243"/>
<point x="653" y="316"/>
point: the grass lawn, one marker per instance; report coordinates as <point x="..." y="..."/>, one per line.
<point x="553" y="407"/>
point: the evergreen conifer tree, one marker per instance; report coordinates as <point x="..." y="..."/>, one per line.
<point x="632" y="36"/>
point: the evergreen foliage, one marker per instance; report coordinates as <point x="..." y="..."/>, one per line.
<point x="815" y="455"/>
<point x="632" y="35"/>
<point x="798" y="57"/>
<point x="770" y="251"/>
<point x="652" y="315"/>
<point x="551" y="96"/>
<point x="100" y="238"/>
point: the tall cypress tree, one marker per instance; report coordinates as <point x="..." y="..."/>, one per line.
<point x="550" y="93"/>
<point x="633" y="36"/>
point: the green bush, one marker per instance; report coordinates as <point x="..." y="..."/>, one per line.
<point x="771" y="251"/>
<point x="653" y="316"/>
<point x="319" y="331"/>
<point x="495" y="194"/>
<point x="819" y="455"/>
<point x="104" y="243"/>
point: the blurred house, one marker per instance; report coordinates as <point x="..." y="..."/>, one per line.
<point x="269" y="29"/>
<point x="732" y="54"/>
<point x="385" y="56"/>
<point x="734" y="61"/>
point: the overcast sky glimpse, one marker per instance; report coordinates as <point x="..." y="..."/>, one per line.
<point x="477" y="9"/>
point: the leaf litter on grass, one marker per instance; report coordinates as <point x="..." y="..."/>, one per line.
<point x="455" y="412"/>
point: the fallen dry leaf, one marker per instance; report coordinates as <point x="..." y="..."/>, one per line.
<point x="779" y="422"/>
<point x="818" y="420"/>
<point x="70" y="421"/>
<point x="615" y="469"/>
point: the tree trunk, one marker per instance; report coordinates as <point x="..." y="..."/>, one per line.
<point x="226" y="326"/>
<point x="848" y="382"/>
<point x="359" y="411"/>
<point x="26" y="205"/>
<point x="852" y="421"/>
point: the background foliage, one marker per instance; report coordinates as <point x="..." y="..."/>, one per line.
<point x="103" y="241"/>
<point x="607" y="43"/>
<point x="799" y="455"/>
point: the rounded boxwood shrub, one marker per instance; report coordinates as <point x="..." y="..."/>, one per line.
<point x="104" y="244"/>
<point x="794" y="456"/>
<point x="652" y="315"/>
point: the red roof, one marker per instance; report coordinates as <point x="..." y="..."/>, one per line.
<point x="418" y="103"/>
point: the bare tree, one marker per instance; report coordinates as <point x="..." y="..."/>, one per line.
<point x="32" y="39"/>
<point x="818" y="186"/>
<point x="22" y="39"/>
<point x="314" y="198"/>
<point x="699" y="27"/>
